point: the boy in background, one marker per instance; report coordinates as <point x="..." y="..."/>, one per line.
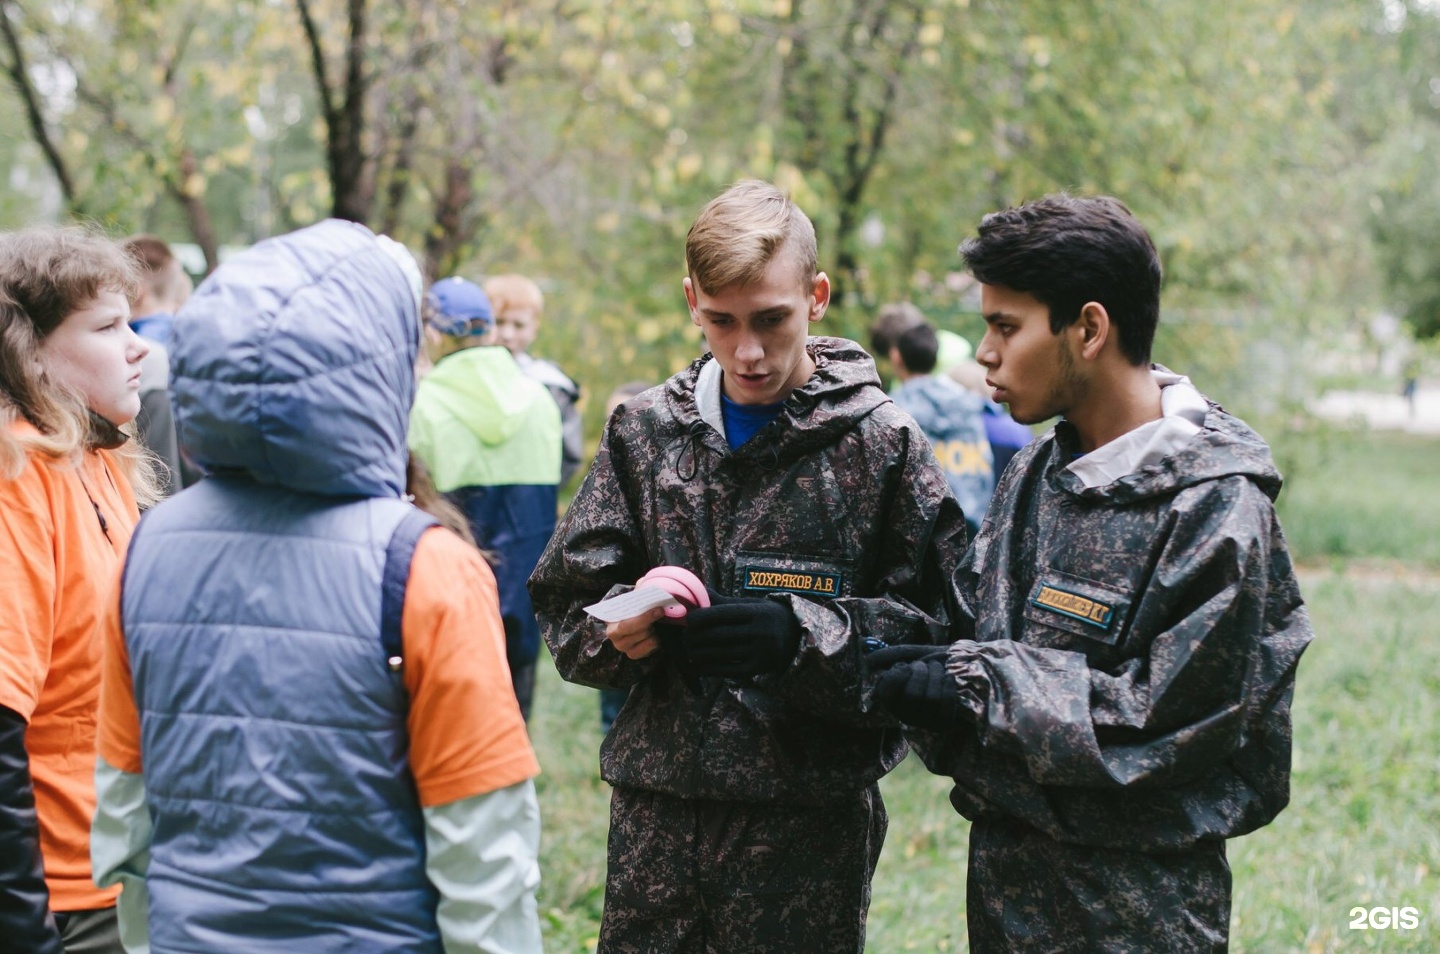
<point x="164" y="287"/>
<point x="490" y="437"/>
<point x="1005" y="434"/>
<point x="518" y="305"/>
<point x="951" y="417"/>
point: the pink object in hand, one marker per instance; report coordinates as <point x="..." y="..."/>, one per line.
<point x="679" y="583"/>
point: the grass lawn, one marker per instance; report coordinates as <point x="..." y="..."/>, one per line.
<point x="1363" y="827"/>
<point x="1360" y="494"/>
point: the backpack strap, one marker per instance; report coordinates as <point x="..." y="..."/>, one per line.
<point x="398" y="554"/>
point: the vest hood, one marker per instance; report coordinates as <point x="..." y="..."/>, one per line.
<point x="294" y="363"/>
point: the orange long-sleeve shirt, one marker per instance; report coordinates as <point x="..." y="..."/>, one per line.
<point x="57" y="565"/>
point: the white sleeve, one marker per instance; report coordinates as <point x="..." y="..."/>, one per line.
<point x="482" y="855"/>
<point x="120" y="849"/>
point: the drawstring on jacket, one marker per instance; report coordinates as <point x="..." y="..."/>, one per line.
<point x="690" y="445"/>
<point x="771" y="461"/>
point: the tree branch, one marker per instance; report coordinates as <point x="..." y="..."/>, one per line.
<point x="20" y="77"/>
<point x="317" y="61"/>
<point x="176" y="183"/>
<point x="181" y="43"/>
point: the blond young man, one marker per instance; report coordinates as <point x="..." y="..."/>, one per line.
<point x="745" y="813"/>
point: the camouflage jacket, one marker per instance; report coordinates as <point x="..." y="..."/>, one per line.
<point x="1131" y="648"/>
<point x="837" y="508"/>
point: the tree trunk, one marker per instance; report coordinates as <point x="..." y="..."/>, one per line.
<point x="197" y="214"/>
<point x="449" y="235"/>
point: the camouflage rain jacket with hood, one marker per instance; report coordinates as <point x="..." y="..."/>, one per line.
<point x="1133" y="642"/>
<point x="1133" y="650"/>
<point x="837" y="508"/>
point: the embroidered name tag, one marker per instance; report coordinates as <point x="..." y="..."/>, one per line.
<point x="763" y="580"/>
<point x="1074" y="605"/>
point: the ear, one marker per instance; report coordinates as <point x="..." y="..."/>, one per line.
<point x="819" y="296"/>
<point x="896" y="361"/>
<point x="690" y="300"/>
<point x="1092" y="330"/>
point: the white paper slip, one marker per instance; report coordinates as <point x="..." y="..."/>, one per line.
<point x="635" y="603"/>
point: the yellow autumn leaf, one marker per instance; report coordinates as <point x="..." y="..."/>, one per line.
<point x="725" y="23"/>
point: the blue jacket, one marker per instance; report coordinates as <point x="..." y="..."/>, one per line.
<point x="953" y="418"/>
<point x="273" y="732"/>
<point x="1006" y="434"/>
<point x="156" y="327"/>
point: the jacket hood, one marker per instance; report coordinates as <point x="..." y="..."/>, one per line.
<point x="548" y="373"/>
<point x="843" y="389"/>
<point x="294" y="362"/>
<point x="1225" y="446"/>
<point x="485" y="389"/>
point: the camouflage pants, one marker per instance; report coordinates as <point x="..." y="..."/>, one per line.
<point x="1028" y="892"/>
<point x="689" y="876"/>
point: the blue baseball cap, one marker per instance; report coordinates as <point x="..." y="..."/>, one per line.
<point x="459" y="308"/>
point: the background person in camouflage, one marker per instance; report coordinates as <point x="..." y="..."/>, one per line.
<point x="745" y="815"/>
<point x="952" y="417"/>
<point x="1118" y="703"/>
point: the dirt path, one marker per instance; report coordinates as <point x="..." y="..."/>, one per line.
<point x="1383" y="411"/>
<point x="1371" y="572"/>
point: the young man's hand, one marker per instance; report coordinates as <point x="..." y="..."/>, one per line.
<point x="636" y="636"/>
<point x="916" y="686"/>
<point x="737" y="636"/>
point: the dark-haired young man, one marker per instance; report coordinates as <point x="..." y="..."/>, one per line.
<point x="1118" y="704"/>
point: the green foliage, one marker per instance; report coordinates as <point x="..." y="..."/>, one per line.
<point x="1404" y="219"/>
<point x="575" y="811"/>
<point x="1264" y="145"/>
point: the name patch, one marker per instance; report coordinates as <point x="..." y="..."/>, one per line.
<point x="1074" y="605"/>
<point x="764" y="580"/>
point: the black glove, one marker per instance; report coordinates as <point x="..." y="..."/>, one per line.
<point x="883" y="658"/>
<point x="671" y="634"/>
<point x="25" y="918"/>
<point x="917" y="687"/>
<point x="738" y="637"/>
